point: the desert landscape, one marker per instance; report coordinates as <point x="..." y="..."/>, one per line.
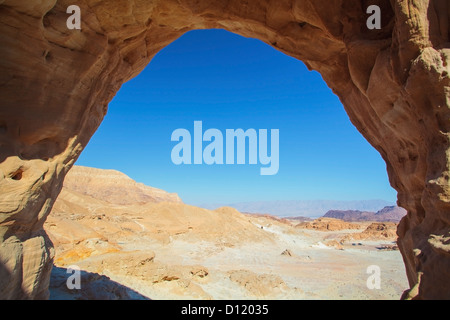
<point x="392" y="78"/>
<point x="131" y="241"/>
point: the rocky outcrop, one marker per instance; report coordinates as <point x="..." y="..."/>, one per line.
<point x="114" y="187"/>
<point x="95" y="287"/>
<point x="56" y="85"/>
<point x="287" y="253"/>
<point x="328" y="224"/>
<point x="375" y="231"/>
<point x="258" y="285"/>
<point x="387" y="214"/>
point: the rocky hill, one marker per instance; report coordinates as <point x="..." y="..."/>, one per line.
<point x="114" y="187"/>
<point x="387" y="214"/>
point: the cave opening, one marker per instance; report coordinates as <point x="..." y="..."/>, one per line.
<point x="391" y="81"/>
<point x="229" y="81"/>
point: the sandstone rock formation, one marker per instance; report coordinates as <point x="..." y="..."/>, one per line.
<point x="55" y="86"/>
<point x="334" y="244"/>
<point x="375" y="231"/>
<point x="328" y="224"/>
<point x="114" y="187"/>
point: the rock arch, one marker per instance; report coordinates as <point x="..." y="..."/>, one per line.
<point x="55" y="85"/>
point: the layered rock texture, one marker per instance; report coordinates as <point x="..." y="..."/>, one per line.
<point x="55" y="86"/>
<point x="114" y="187"/>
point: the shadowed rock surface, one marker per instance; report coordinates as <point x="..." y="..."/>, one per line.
<point x="56" y="85"/>
<point x="92" y="287"/>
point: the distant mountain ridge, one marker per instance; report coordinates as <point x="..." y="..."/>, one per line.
<point x="387" y="214"/>
<point x="305" y="208"/>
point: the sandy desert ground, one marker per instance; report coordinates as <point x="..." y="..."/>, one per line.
<point x="170" y="250"/>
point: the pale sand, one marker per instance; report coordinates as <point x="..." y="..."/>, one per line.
<point x="314" y="271"/>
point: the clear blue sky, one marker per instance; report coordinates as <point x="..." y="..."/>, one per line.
<point x="231" y="82"/>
